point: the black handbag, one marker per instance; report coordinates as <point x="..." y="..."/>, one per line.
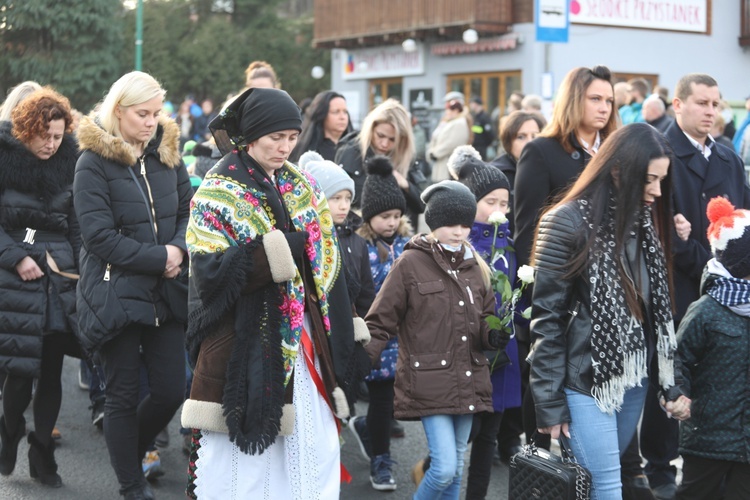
<point x="536" y="474"/>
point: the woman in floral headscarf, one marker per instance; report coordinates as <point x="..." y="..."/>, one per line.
<point x="270" y="332"/>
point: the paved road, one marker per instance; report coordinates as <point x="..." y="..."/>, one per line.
<point x="84" y="462"/>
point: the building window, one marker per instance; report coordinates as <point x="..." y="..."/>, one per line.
<point x="382" y="89"/>
<point x="493" y="88"/>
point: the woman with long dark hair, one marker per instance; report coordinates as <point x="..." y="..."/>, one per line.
<point x="326" y="121"/>
<point x="581" y="121"/>
<point x="602" y="310"/>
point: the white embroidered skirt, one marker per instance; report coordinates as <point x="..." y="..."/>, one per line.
<point x="302" y="466"/>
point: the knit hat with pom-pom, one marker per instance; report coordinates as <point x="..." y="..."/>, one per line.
<point x="331" y="177"/>
<point x="381" y="192"/>
<point x="729" y="236"/>
<point x="459" y="156"/>
<point x="481" y="178"/>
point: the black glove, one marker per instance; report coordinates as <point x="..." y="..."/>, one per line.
<point x="296" y="242"/>
<point x="499" y="340"/>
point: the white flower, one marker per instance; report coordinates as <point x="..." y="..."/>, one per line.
<point x="526" y="274"/>
<point x="497" y="218"/>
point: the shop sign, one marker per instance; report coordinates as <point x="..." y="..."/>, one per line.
<point x="494" y="44"/>
<point x="382" y="62"/>
<point x="671" y="15"/>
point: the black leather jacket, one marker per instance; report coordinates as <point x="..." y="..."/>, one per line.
<point x="561" y="319"/>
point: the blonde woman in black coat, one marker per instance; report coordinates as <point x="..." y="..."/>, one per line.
<point x="132" y="193"/>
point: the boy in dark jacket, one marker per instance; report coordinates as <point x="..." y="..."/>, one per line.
<point x="339" y="190"/>
<point x="714" y="361"/>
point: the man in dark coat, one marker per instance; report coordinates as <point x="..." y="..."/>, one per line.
<point x="701" y="170"/>
<point x="655" y="113"/>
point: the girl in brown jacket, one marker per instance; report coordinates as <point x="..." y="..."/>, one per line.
<point x="436" y="298"/>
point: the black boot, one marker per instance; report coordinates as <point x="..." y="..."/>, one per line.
<point x="42" y="465"/>
<point x="9" y="450"/>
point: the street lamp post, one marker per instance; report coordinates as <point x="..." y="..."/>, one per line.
<point x="139" y="36"/>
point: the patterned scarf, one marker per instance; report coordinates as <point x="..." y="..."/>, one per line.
<point x="730" y="291"/>
<point x="236" y="207"/>
<point x="618" y="343"/>
<point x="727" y="290"/>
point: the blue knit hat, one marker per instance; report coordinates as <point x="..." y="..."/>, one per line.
<point x="331" y="177"/>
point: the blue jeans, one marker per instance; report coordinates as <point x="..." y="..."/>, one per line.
<point x="447" y="438"/>
<point x="598" y="439"/>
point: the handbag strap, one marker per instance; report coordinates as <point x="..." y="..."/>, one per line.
<point x="55" y="269"/>
<point x="145" y="200"/>
<point x="583" y="483"/>
<point x="566" y="450"/>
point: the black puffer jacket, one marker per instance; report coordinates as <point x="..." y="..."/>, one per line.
<point x="35" y="194"/>
<point x="357" y="264"/>
<point x="118" y="237"/>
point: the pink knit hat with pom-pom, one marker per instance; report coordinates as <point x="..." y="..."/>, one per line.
<point x="729" y="236"/>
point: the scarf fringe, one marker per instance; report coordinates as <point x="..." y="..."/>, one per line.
<point x="666" y="346"/>
<point x="210" y="311"/>
<point x="618" y="340"/>
<point x="609" y="396"/>
<point x="254" y="398"/>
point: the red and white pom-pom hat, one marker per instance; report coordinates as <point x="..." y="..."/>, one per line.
<point x="729" y="236"/>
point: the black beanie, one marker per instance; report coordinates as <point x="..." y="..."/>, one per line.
<point x="381" y="191"/>
<point x="481" y="178"/>
<point x="254" y="113"/>
<point x="449" y="203"/>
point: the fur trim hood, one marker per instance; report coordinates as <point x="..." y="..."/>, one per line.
<point x="165" y="144"/>
<point x="22" y="171"/>
<point x="404" y="229"/>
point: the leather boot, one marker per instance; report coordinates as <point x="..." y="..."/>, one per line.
<point x="42" y="465"/>
<point x="9" y="449"/>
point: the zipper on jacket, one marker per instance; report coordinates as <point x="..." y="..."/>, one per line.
<point x="150" y="195"/>
<point x="573" y="313"/>
<point x="108" y="269"/>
